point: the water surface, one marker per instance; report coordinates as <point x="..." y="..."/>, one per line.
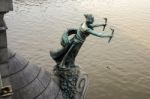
<point x="119" y="70"/>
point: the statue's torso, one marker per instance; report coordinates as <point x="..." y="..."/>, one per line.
<point x="82" y="33"/>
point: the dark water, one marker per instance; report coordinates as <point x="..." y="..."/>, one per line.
<point x="119" y="70"/>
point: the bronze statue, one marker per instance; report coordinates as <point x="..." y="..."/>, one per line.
<point x="65" y="57"/>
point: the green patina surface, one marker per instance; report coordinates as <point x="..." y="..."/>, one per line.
<point x="65" y="57"/>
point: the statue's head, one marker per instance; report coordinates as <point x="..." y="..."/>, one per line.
<point x="89" y="18"/>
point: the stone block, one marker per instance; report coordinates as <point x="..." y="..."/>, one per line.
<point x="4" y="70"/>
<point x="6" y="5"/>
<point x="3" y="55"/>
<point x="3" y="39"/>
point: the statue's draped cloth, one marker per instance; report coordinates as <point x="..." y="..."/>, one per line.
<point x="70" y="47"/>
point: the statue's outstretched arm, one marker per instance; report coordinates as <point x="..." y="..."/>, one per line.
<point x="97" y="25"/>
<point x="99" y="34"/>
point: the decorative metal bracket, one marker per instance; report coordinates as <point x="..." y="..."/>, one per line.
<point x="6" y="91"/>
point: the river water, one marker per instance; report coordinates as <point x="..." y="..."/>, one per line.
<point x="119" y="70"/>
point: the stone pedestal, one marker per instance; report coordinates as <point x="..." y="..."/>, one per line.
<point x="72" y="82"/>
<point x="82" y="85"/>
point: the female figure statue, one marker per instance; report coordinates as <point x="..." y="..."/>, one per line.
<point x="65" y="57"/>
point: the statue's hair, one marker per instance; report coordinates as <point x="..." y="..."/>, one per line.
<point x="88" y="16"/>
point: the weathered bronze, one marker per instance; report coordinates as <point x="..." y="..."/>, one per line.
<point x="65" y="57"/>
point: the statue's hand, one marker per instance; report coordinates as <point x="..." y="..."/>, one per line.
<point x="104" y="24"/>
<point x="112" y="31"/>
<point x="111" y="36"/>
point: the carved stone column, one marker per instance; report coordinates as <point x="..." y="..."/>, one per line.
<point x="5" y="6"/>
